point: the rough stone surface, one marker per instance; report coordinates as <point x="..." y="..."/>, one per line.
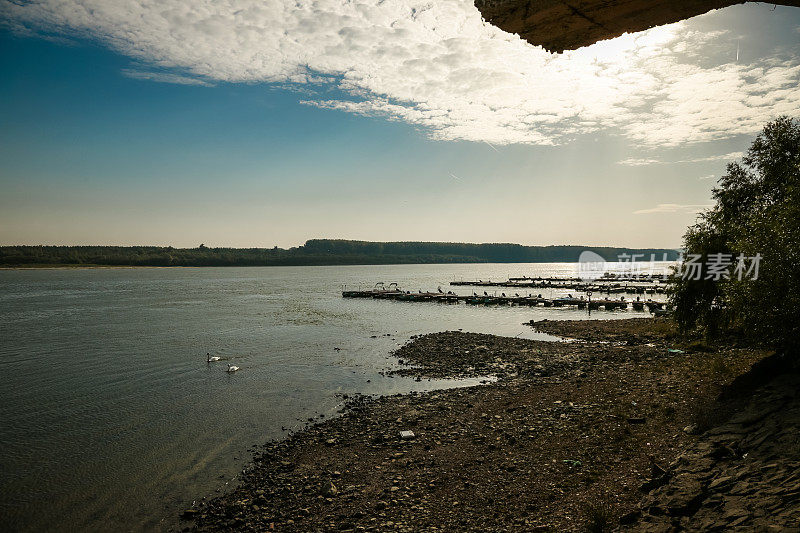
<point x="560" y="25"/>
<point x="743" y="475"/>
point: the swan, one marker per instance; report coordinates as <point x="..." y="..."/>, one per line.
<point x="232" y="368"/>
<point x="210" y="359"/>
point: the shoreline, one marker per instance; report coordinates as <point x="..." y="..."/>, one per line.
<point x="87" y="267"/>
<point x="569" y="432"/>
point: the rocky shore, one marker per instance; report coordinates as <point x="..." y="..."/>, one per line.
<point x="572" y="436"/>
<point x="741" y="475"/>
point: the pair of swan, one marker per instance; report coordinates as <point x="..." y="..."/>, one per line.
<point x="214" y="359"/>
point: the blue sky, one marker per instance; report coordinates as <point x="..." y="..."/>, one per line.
<point x="183" y="129"/>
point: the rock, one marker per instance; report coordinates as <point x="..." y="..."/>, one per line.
<point x="655" y="470"/>
<point x="190" y="514"/>
<point x="407" y="434"/>
<point x="719" y="482"/>
<point x="630" y="518"/>
<point x="733" y="514"/>
<point x="684" y="495"/>
<point x="654" y="483"/>
<point x="329" y="489"/>
<point x="739" y="521"/>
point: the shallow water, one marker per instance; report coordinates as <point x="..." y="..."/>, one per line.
<point x="110" y="417"/>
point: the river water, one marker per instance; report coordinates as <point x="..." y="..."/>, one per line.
<point x="110" y="417"/>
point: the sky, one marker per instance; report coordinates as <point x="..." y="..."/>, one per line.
<point x="265" y="123"/>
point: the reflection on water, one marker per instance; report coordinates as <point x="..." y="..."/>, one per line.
<point x="112" y="419"/>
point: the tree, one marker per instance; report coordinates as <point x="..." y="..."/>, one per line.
<point x="757" y="214"/>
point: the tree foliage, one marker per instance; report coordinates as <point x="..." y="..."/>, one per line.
<point x="757" y="211"/>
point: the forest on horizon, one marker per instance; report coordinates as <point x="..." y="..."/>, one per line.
<point x="314" y="252"/>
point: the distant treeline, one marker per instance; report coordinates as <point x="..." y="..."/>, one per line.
<point x="314" y="252"/>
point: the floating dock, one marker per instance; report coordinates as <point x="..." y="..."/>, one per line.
<point x="577" y="286"/>
<point x="531" y="301"/>
<point x="605" y="278"/>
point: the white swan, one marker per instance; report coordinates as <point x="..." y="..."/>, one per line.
<point x="211" y="359"/>
<point x="232" y="368"/>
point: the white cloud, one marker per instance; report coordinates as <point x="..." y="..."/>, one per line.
<point x="708" y="177"/>
<point x="164" y="77"/>
<point x="673" y="208"/>
<point x="439" y="66"/>
<point x="634" y="162"/>
<point x="724" y="157"/>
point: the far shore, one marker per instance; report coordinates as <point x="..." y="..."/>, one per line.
<point x="79" y="267"/>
